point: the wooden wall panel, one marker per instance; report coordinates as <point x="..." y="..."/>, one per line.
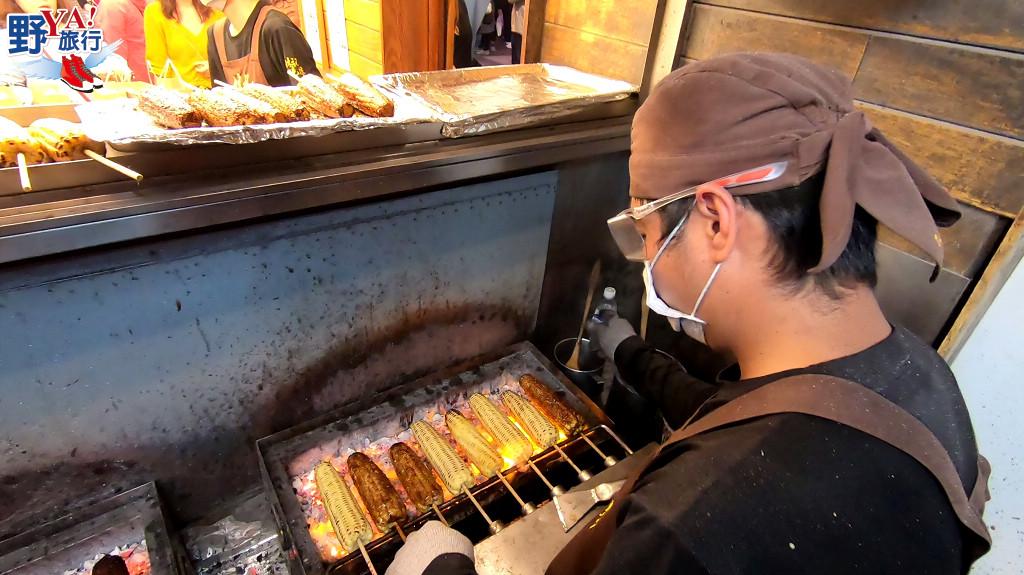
<point x="364" y="67"/>
<point x="364" y="12"/>
<point x="626" y="20"/>
<point x="981" y="169"/>
<point x="364" y="41"/>
<point x="967" y="244"/>
<point x="593" y="53"/>
<point x="715" y="31"/>
<point x="978" y="88"/>
<point x="996" y="23"/>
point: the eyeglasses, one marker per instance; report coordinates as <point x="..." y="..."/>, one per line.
<point x="623" y="226"/>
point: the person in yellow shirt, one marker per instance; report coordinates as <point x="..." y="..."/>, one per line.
<point x="176" y="31"/>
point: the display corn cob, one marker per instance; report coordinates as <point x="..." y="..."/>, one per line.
<point x="416" y="477"/>
<point x="169" y="108"/>
<point x="264" y="112"/>
<point x="62" y="140"/>
<point x="350" y="525"/>
<point x="511" y="441"/>
<point x="564" y="417"/>
<point x="218" y="109"/>
<point x="540" y="429"/>
<point x="481" y="453"/>
<point x="449" y="466"/>
<point x="14" y="140"/>
<point x="323" y="98"/>
<point x="279" y="99"/>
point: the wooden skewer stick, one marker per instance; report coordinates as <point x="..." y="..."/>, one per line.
<point x="583" y="475"/>
<point x="294" y="75"/>
<point x="608" y="461"/>
<point x="477" y="504"/>
<point x="223" y="84"/>
<point x="439" y="516"/>
<point x="401" y="534"/>
<point x="114" y="165"/>
<point x="511" y="490"/>
<point x="26" y="184"/>
<point x="366" y="557"/>
<point x="555" y="490"/>
<point x="617" y="439"/>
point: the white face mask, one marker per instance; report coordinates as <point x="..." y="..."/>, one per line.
<point x="691" y="325"/>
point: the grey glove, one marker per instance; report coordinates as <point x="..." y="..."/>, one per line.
<point x="426" y="544"/>
<point x="610" y="334"/>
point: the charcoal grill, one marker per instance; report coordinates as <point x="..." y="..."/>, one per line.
<point x="391" y="412"/>
<point x="70" y="541"/>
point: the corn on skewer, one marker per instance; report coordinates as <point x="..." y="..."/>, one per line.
<point x="449" y="466"/>
<point x="350" y="525"/>
<point x="511" y="442"/>
<point x="480" y="453"/>
<point x="543" y="432"/>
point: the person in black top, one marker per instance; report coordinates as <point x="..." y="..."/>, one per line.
<point x="756" y="193"/>
<point x="280" y="44"/>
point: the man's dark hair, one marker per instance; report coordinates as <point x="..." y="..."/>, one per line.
<point x="793" y="217"/>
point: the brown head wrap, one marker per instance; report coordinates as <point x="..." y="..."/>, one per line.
<point x="732" y="113"/>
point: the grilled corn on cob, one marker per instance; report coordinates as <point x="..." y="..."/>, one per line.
<point x="62" y="140"/>
<point x="323" y="98"/>
<point x="416" y="478"/>
<point x="378" y="494"/>
<point x="14" y="140"/>
<point x="511" y="442"/>
<point x="218" y="109"/>
<point x="350" y="525"/>
<point x="453" y="470"/>
<point x="169" y="108"/>
<point x="264" y="112"/>
<point x="563" y="416"/>
<point x="364" y="96"/>
<point x="543" y="432"/>
<point x="279" y="99"/>
<point x="486" y="459"/>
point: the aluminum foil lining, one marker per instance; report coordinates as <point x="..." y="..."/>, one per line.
<point x="119" y="123"/>
<point x="474" y="101"/>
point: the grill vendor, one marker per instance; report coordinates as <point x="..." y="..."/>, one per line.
<point x="839" y="443"/>
<point x="256" y="43"/>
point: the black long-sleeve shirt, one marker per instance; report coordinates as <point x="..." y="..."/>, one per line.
<point x="283" y="48"/>
<point x="793" y="493"/>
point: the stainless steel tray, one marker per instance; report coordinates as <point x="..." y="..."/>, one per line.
<point x="479" y="100"/>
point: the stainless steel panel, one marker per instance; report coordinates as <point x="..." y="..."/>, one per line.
<point x="908" y="299"/>
<point x="169" y="369"/>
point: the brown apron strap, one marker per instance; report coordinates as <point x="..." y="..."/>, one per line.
<point x="253" y="67"/>
<point x="822" y="396"/>
<point x="218" y="42"/>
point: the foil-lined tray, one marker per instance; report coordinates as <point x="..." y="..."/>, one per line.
<point x="474" y="101"/>
<point x="125" y="128"/>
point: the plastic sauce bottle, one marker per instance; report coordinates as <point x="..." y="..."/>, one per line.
<point x="606" y="308"/>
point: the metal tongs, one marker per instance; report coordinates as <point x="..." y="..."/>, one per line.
<point x="574" y="505"/>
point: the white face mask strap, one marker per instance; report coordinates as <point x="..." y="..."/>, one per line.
<point x="704" y="291"/>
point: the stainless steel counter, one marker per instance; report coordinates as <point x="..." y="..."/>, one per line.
<point x="51" y="222"/>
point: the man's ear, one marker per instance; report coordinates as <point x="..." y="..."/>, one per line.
<point x="719" y="210"/>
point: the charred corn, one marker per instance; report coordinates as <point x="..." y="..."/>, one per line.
<point x="486" y="459"/>
<point x="450" y="467"/>
<point x="563" y="416"/>
<point x="324" y="99"/>
<point x="350" y="525"/>
<point x="279" y="99"/>
<point x="416" y="478"/>
<point x="14" y="140"/>
<point x="378" y="494"/>
<point x="62" y="140"/>
<point x="511" y="442"/>
<point x="540" y="429"/>
<point x="169" y="108"/>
